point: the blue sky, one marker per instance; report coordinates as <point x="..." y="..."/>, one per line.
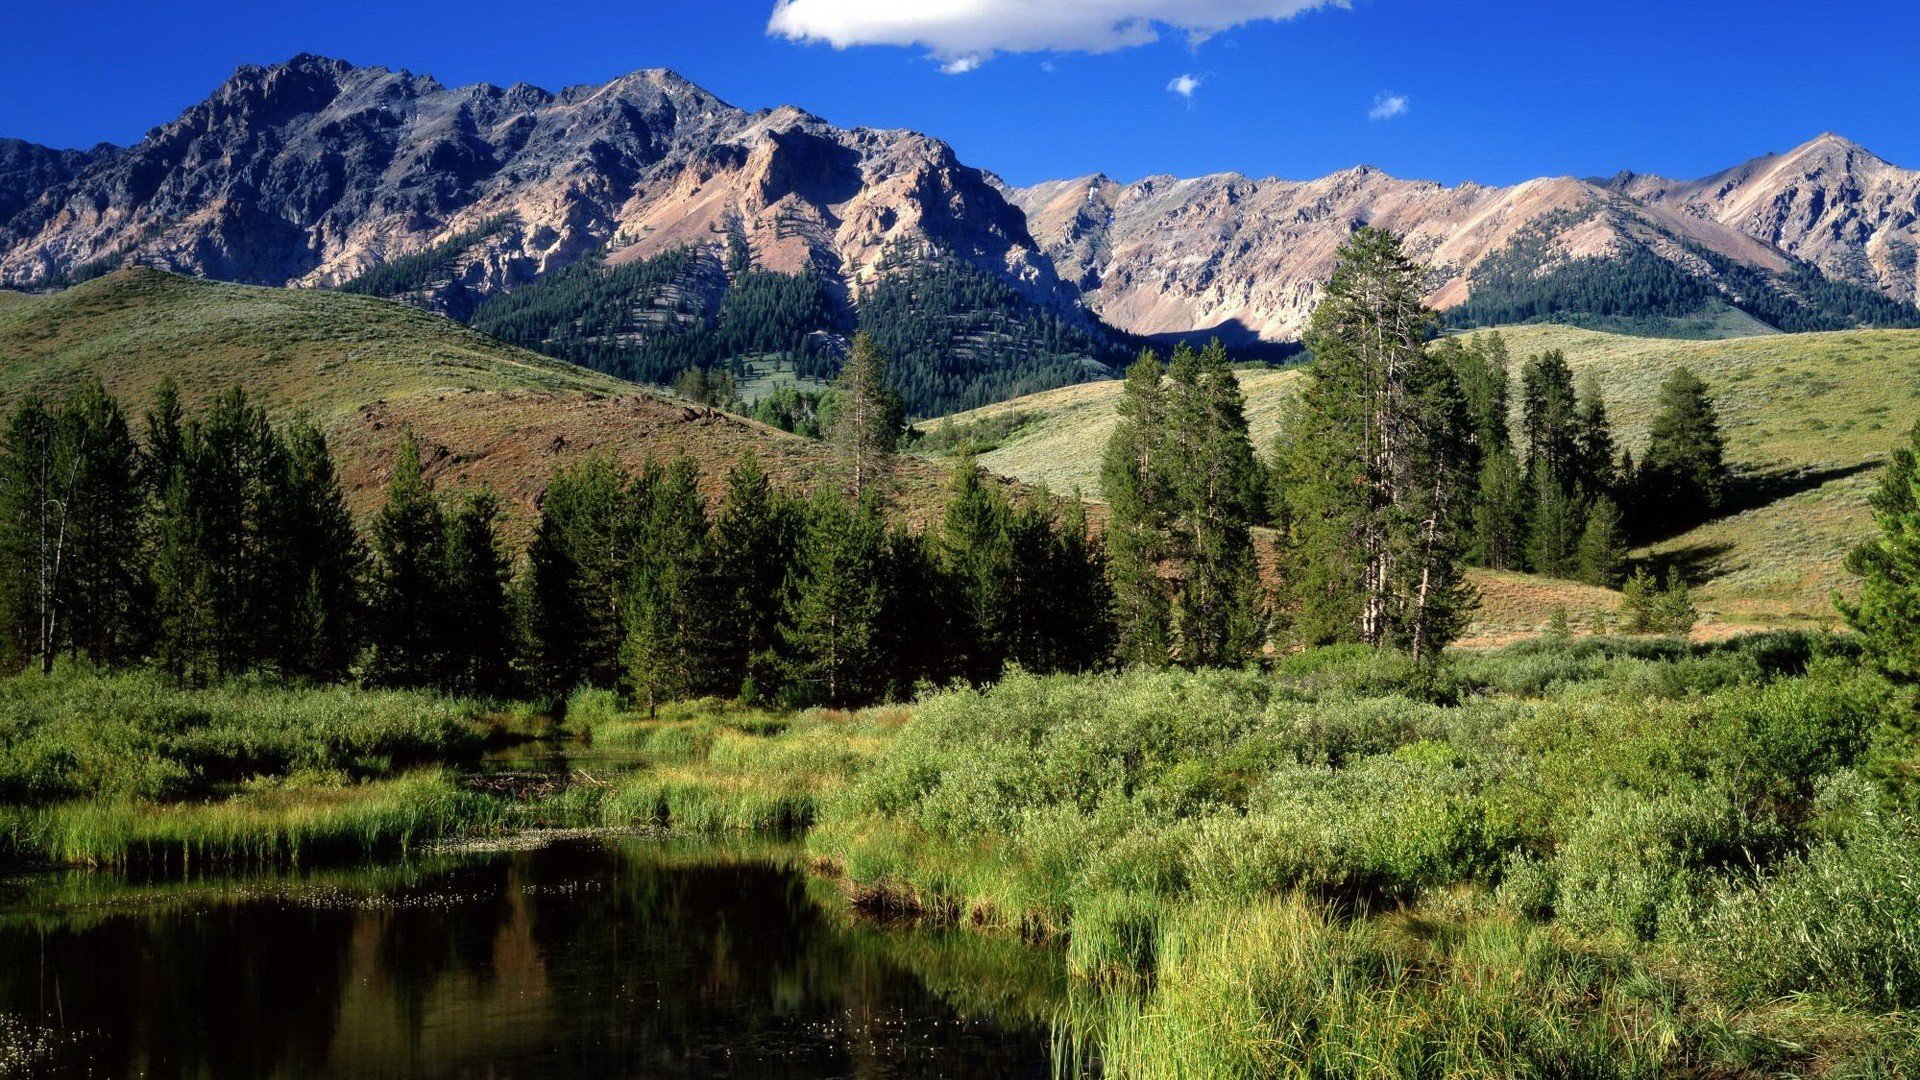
<point x="1488" y="90"/>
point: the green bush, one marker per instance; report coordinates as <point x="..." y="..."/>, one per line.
<point x="1844" y="921"/>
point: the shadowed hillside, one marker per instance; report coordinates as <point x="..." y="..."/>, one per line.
<point x="367" y="370"/>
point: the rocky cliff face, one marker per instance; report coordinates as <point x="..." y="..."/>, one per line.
<point x="1246" y="258"/>
<point x="312" y="172"/>
<point x="1831" y="203"/>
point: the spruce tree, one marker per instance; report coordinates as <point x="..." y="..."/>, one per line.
<point x="668" y="649"/>
<point x="1501" y="528"/>
<point x="476" y="616"/>
<point x="1219" y="614"/>
<point x="104" y="583"/>
<point x="1550" y="423"/>
<point x="1557" y="520"/>
<point x="1602" y="556"/>
<point x="408" y="619"/>
<point x="1135" y="478"/>
<point x="1886" y="616"/>
<point x="318" y="558"/>
<point x="1593" y="439"/>
<point x="754" y="536"/>
<point x="976" y="542"/>
<point x="578" y="564"/>
<point x="1683" y="475"/>
<point x="1371" y="465"/>
<point x="35" y="491"/>
<point x="832" y="627"/>
<point x="867" y="419"/>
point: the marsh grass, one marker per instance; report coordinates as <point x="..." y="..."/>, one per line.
<point x="264" y="827"/>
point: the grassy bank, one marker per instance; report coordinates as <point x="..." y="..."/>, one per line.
<point x="1596" y="857"/>
<point x="120" y="769"/>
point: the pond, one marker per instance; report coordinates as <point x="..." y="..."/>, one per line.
<point x="583" y="957"/>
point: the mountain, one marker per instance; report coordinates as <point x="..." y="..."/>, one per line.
<point x="1245" y="258"/>
<point x="319" y="173"/>
<point x="1831" y="203"/>
<point x="645" y="226"/>
<point x="366" y="370"/>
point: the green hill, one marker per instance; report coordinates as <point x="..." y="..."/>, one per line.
<point x="367" y="370"/>
<point x="1808" y="417"/>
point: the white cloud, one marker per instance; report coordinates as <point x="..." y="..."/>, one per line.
<point x="963" y="34"/>
<point x="1184" y="85"/>
<point x="1387" y="106"/>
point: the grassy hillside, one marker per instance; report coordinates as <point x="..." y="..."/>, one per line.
<point x="366" y="370"/>
<point x="1808" y="417"/>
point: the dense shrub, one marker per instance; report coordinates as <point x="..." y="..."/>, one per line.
<point x="1844" y="921"/>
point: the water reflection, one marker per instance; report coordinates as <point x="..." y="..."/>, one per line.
<point x="585" y="958"/>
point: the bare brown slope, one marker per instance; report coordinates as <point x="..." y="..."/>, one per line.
<point x="368" y="370"/>
<point x="1246" y="258"/>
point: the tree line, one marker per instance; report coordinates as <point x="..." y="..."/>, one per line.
<point x="220" y="545"/>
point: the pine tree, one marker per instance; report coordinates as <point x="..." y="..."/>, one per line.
<point x="318" y="558"/>
<point x="832" y="624"/>
<point x="1501" y="529"/>
<point x="1550" y="425"/>
<point x="668" y="652"/>
<point x="976" y="543"/>
<point x="1886" y="616"/>
<point x="754" y="537"/>
<point x="476" y="614"/>
<point x="104" y="583"/>
<point x="867" y="419"/>
<point x="1217" y="486"/>
<point x="1134" y="476"/>
<point x="1639" y="603"/>
<point x="578" y="566"/>
<point x="1683" y="475"/>
<point x="1593" y="438"/>
<point x="408" y="618"/>
<point x="36" y="486"/>
<point x="1371" y="464"/>
<point x="1558" y="518"/>
<point x="1602" y="556"/>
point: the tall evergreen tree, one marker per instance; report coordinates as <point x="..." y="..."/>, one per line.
<point x="476" y="614"/>
<point x="1550" y="424"/>
<point x="1602" y="555"/>
<point x="409" y="538"/>
<point x="668" y="650"/>
<point x="36" y="486"/>
<point x="1501" y="527"/>
<point x="1219" y="616"/>
<point x="867" y="418"/>
<point x="1594" y="470"/>
<point x="976" y="542"/>
<point x="1371" y="465"/>
<point x="1886" y="616"/>
<point x="1557" y="520"/>
<point x="1138" y="486"/>
<point x="832" y="627"/>
<point x="578" y="565"/>
<point x="104" y="583"/>
<point x="754" y="537"/>
<point x="1683" y="475"/>
<point x="318" y="559"/>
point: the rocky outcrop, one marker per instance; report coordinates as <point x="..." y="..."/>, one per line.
<point x="1831" y="203"/>
<point x="313" y="171"/>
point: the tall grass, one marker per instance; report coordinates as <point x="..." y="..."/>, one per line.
<point x="270" y="826"/>
<point x="80" y="734"/>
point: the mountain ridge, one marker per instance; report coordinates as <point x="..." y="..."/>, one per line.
<point x="314" y="172"/>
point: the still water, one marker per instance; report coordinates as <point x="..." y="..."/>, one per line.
<point x="582" y="958"/>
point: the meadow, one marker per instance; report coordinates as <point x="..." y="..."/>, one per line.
<point x="1591" y="856"/>
<point x="1578" y="855"/>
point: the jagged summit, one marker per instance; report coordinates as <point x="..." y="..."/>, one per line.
<point x="313" y="171"/>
